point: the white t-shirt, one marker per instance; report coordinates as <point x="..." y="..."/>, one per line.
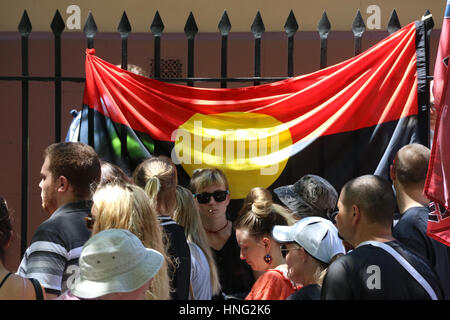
<point x="200" y="274"/>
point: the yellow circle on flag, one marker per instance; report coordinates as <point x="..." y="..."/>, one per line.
<point x="252" y="149"/>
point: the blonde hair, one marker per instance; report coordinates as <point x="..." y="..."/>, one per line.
<point x="323" y="268"/>
<point x="158" y="177"/>
<point x="202" y="178"/>
<point x="262" y="216"/>
<point x="186" y="214"/>
<point x="126" y="206"/>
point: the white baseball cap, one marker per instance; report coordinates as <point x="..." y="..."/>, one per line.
<point x="114" y="260"/>
<point x="318" y="236"/>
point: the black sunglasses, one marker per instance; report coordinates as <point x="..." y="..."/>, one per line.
<point x="218" y="196"/>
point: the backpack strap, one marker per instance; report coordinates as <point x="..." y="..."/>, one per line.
<point x="405" y="264"/>
<point x="37" y="288"/>
<point x="5" y="278"/>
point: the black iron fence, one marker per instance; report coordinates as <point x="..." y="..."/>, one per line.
<point x="157" y="27"/>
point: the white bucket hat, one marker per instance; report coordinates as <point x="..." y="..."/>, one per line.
<point x="318" y="236"/>
<point x="114" y="260"/>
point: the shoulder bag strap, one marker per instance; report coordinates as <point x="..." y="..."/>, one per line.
<point x="37" y="289"/>
<point x="5" y="278"/>
<point x="414" y="273"/>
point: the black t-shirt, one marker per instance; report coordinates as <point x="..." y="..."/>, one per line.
<point x="369" y="272"/>
<point x="235" y="275"/>
<point x="411" y="230"/>
<point x="310" y="292"/>
<point x="180" y="253"/>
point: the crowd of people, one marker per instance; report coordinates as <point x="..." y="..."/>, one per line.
<point x="113" y="236"/>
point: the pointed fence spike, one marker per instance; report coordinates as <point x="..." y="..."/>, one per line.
<point x="124" y="26"/>
<point x="258" y="27"/>
<point x="224" y="24"/>
<point x="24" y="24"/>
<point x="190" y="29"/>
<point x="358" y="26"/>
<point x="57" y="24"/>
<point x="324" y="25"/>
<point x="430" y="21"/>
<point x="90" y="27"/>
<point x="157" y="26"/>
<point x="394" y="23"/>
<point x="291" y="25"/>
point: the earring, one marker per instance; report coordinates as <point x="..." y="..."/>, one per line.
<point x="268" y="259"/>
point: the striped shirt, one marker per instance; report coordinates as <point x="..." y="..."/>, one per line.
<point x="52" y="257"/>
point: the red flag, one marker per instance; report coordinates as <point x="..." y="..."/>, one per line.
<point x="437" y="185"/>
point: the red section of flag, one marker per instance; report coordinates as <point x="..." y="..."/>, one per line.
<point x="437" y="185"/>
<point x="375" y="87"/>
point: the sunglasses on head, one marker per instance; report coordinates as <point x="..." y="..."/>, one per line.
<point x="204" y="197"/>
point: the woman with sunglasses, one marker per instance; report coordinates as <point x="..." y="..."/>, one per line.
<point x="210" y="189"/>
<point x="262" y="252"/>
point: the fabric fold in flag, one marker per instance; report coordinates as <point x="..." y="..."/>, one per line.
<point x="339" y="122"/>
<point x="437" y="185"/>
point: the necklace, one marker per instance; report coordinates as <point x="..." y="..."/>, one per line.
<point x="209" y="231"/>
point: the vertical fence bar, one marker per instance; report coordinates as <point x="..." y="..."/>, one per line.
<point x="258" y="29"/>
<point x="90" y="29"/>
<point x="324" y="28"/>
<point x="224" y="28"/>
<point x="24" y="29"/>
<point x="157" y="28"/>
<point x="291" y="27"/>
<point x="57" y="27"/>
<point x="124" y="28"/>
<point x="190" y="30"/>
<point x="358" y="28"/>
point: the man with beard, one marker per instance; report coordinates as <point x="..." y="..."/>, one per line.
<point x="69" y="175"/>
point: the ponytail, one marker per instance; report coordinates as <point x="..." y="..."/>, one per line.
<point x="152" y="187"/>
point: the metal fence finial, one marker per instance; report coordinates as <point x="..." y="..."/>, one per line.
<point x="124" y="26"/>
<point x="24" y="24"/>
<point x="224" y="24"/>
<point x="90" y="29"/>
<point x="258" y="27"/>
<point x="157" y="25"/>
<point x="291" y="25"/>
<point x="57" y="24"/>
<point x="394" y="23"/>
<point x="190" y="29"/>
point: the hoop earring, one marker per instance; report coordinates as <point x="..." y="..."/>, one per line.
<point x="268" y="259"/>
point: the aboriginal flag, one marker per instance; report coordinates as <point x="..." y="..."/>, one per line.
<point x="340" y="122"/>
<point x="437" y="184"/>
